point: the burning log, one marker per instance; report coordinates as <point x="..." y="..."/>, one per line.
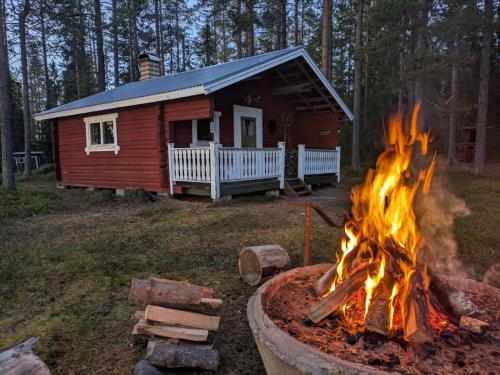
<point x="337" y="298"/>
<point x="325" y="282"/>
<point x="192" y="334"/>
<point x="473" y="325"/>
<point x="378" y="316"/>
<point x="171" y="356"/>
<point x="416" y="314"/>
<point x="257" y="263"/>
<point x="181" y="318"/>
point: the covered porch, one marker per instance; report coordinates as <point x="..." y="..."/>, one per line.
<point x="221" y="172"/>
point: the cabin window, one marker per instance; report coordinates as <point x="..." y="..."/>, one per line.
<point x="101" y="133"/>
<point x="205" y="131"/>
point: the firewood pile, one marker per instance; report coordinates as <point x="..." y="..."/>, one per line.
<point x="180" y="320"/>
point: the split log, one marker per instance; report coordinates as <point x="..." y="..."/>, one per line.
<point x="181" y="318"/>
<point x="20" y="360"/>
<point x="377" y="317"/>
<point x="416" y="313"/>
<point x="337" y="298"/>
<point x="258" y="263"/>
<point x="173" y="356"/>
<point x="452" y="300"/>
<point x="325" y="282"/>
<point x="473" y="325"/>
<point x="205" y="291"/>
<point x="192" y="334"/>
<point x="208" y="306"/>
<point x="145" y="292"/>
<point x="143" y="367"/>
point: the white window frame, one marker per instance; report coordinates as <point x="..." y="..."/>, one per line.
<point x="102" y="147"/>
<point x="216" y="131"/>
<point x="240" y="111"/>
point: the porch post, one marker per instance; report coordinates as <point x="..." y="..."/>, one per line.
<point x="338" y="163"/>
<point x="214" y="171"/>
<point x="281" y="146"/>
<point x="171" y="167"/>
<point x="301" y="162"/>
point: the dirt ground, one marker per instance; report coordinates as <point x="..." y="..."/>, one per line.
<point x="64" y="275"/>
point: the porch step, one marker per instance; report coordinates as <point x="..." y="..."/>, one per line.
<point x="295" y="188"/>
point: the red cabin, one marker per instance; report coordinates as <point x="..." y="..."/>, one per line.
<point x="232" y="128"/>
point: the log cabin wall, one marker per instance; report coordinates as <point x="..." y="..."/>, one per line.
<point x="260" y="90"/>
<point x="137" y="164"/>
<point x="315" y="130"/>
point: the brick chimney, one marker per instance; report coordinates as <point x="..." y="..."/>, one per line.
<point x="149" y="64"/>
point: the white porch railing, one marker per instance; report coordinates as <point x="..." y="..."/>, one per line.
<point x="314" y="162"/>
<point x="216" y="164"/>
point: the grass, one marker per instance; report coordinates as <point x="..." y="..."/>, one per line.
<point x="65" y="273"/>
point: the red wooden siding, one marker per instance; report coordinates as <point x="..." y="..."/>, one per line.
<point x="305" y="127"/>
<point x="136" y="165"/>
<point x="317" y="130"/>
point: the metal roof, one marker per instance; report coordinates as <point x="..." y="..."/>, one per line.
<point x="194" y="82"/>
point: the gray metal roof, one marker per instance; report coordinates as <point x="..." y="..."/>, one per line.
<point x="203" y="81"/>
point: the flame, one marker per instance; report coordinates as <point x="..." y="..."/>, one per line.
<point x="383" y="230"/>
<point x="395" y="290"/>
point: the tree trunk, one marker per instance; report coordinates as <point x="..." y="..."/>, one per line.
<point x="326" y="53"/>
<point x="177" y="36"/>
<point x="484" y="82"/>
<point x="101" y="70"/>
<point x="283" y="31"/>
<point x="26" y="95"/>
<point x="296" y="22"/>
<point x="159" y="47"/>
<point x="48" y="85"/>
<point x="420" y="74"/>
<point x="250" y="32"/>
<point x="455" y="89"/>
<point x="116" y="62"/>
<point x="239" y="50"/>
<point x="355" y="162"/>
<point x="8" y="181"/>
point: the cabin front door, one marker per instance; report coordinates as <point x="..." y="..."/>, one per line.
<point x="247" y="127"/>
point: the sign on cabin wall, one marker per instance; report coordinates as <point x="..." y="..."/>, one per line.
<point x="324" y="132"/>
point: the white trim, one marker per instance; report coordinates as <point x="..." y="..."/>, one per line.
<point x="194" y="131"/>
<point x="243" y="111"/>
<point x="101" y="147"/>
<point x="190" y="91"/>
<point x="217" y="116"/>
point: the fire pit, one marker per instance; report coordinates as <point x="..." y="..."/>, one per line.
<point x="290" y="345"/>
<point x="384" y="305"/>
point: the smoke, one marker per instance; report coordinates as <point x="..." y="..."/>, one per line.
<point x="436" y="212"/>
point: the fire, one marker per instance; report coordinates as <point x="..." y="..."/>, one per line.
<point x="383" y="229"/>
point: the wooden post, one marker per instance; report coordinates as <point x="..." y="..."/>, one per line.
<point x="338" y="163"/>
<point x="281" y="146"/>
<point x="301" y="162"/>
<point x="171" y="167"/>
<point x="214" y="171"/>
<point x="307" y="235"/>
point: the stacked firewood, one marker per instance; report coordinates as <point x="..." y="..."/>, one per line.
<point x="179" y="319"/>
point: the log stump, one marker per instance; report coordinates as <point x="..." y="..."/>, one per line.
<point x="258" y="263"/>
<point x="20" y="360"/>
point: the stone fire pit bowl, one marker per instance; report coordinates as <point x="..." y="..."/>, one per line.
<point x="283" y="354"/>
